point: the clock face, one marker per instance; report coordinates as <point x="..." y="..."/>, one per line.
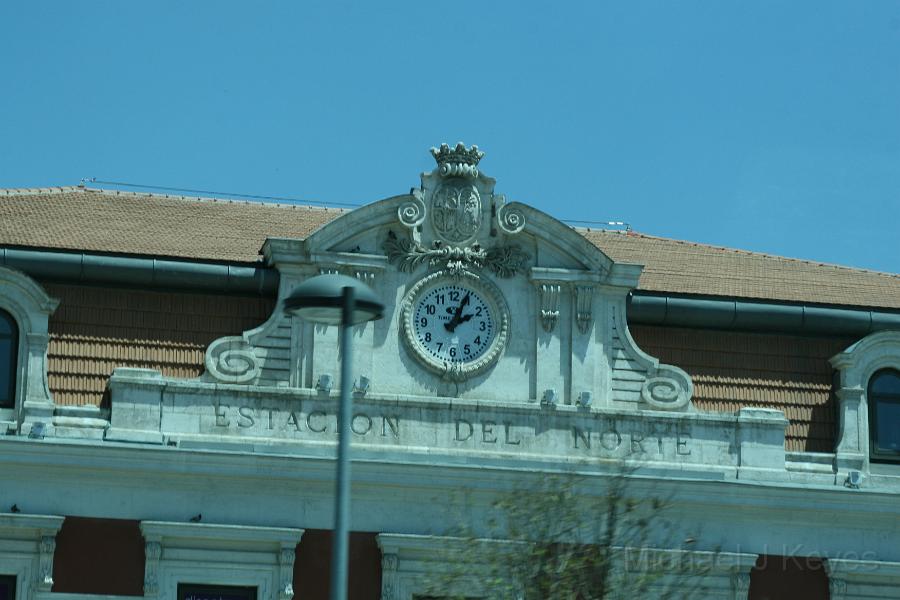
<point x="453" y="323"/>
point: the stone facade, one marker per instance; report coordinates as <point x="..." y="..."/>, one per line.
<point x="226" y="470"/>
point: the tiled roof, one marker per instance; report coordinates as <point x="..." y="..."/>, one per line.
<point x="733" y="369"/>
<point x="687" y="268"/>
<point x="77" y="218"/>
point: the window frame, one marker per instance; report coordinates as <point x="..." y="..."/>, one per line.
<point x="857" y="365"/>
<point x="873" y="400"/>
<point x="30" y="307"/>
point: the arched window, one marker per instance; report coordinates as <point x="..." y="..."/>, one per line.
<point x="9" y="346"/>
<point x="884" y="414"/>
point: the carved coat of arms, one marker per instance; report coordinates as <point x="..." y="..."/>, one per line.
<point x="456" y="210"/>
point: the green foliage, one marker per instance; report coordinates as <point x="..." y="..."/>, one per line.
<point x="559" y="541"/>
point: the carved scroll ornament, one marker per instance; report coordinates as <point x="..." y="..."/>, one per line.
<point x="670" y="389"/>
<point x="231" y="360"/>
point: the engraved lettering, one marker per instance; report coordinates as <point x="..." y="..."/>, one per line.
<point x="361" y="424"/>
<point x="309" y="421"/>
<point x="246" y="419"/>
<point x="637" y="446"/>
<point x="294" y="420"/>
<point x="487" y="432"/>
<point x="584" y="436"/>
<point x="392" y="423"/>
<point x="468" y="435"/>
<point x="221" y="420"/>
<point x="611" y="439"/>
<point x="659" y="440"/>
<point x="506" y="437"/>
<point x="681" y="442"/>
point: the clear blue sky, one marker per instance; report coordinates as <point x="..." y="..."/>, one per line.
<point x="764" y="125"/>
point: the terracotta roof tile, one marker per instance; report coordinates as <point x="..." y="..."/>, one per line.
<point x="76" y="218"/>
<point x="789" y="373"/>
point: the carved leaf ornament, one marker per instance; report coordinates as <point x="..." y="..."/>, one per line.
<point x="407" y="255"/>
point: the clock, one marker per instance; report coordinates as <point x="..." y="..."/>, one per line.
<point x="455" y="324"/>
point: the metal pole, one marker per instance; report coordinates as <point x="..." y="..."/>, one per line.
<point x="341" y="543"/>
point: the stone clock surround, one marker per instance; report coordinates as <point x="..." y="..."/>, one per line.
<point x="457" y="371"/>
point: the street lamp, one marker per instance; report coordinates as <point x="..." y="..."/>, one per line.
<point x="338" y="300"/>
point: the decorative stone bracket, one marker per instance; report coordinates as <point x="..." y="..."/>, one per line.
<point x="152" y="553"/>
<point x="549" y="305"/>
<point x="389" y="577"/>
<point x="584" y="295"/>
<point x="552" y="284"/>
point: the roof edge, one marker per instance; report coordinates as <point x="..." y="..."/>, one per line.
<point x="738" y="314"/>
<point x="730" y="314"/>
<point x="83" y="267"/>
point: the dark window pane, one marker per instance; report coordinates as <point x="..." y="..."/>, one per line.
<point x="885" y="382"/>
<point x="190" y="591"/>
<point x="7" y="587"/>
<point x="7" y="325"/>
<point x="7" y="373"/>
<point x="887" y="416"/>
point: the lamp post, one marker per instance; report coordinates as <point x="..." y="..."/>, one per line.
<point x="345" y="301"/>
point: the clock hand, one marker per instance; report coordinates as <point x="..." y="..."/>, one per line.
<point x="457" y="317"/>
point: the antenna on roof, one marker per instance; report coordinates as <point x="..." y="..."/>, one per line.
<point x="223" y="194"/>
<point x="624" y="226"/>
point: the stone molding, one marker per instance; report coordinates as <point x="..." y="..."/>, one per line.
<point x="30" y="307"/>
<point x="244" y="555"/>
<point x="856" y="365"/>
<point x="851" y="579"/>
<point x="27" y="545"/>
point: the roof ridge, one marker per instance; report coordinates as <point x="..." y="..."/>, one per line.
<point x="113" y="192"/>
<point x="815" y="263"/>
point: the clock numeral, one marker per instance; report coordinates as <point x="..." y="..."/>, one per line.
<point x="423" y="322"/>
<point x="427" y="336"/>
<point x="477" y="341"/>
<point x="440" y="299"/>
<point x="466" y="349"/>
<point x="440" y="346"/>
<point x="481" y="326"/>
<point x="454" y="296"/>
<point x="430" y="308"/>
<point x="477" y="311"/>
<point x="452" y="352"/>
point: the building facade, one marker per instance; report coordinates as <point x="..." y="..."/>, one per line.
<point x="171" y="430"/>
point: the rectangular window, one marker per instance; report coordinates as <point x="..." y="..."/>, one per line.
<point x="199" y="591"/>
<point x="7" y="587"/>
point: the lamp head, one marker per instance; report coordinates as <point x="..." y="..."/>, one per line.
<point x="320" y="299"/>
